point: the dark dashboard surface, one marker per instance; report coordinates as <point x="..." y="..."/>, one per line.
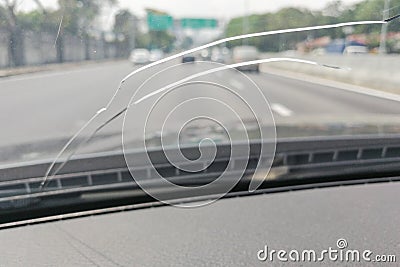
<point x="229" y="232"/>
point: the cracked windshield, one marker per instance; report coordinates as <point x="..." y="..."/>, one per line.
<point x="79" y="77"/>
<point x="199" y="133"/>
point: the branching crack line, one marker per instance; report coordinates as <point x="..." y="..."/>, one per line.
<point x="59" y="30"/>
<point x="167" y="59"/>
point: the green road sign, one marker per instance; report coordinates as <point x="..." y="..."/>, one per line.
<point x="199" y="23"/>
<point x="159" y="22"/>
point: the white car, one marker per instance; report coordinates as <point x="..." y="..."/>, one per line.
<point x="243" y="54"/>
<point x="140" y="56"/>
<point x="355" y="50"/>
<point x="156" y="55"/>
<point x="217" y="55"/>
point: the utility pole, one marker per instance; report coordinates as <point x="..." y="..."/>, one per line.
<point x="245" y="21"/>
<point x="132" y="39"/>
<point x="382" y="45"/>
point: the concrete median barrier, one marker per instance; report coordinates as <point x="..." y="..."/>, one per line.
<point x="379" y="72"/>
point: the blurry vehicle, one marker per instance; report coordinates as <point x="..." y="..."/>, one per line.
<point x="244" y="54"/>
<point x="355" y="50"/>
<point x="140" y="56"/>
<point x="217" y="55"/>
<point x="341" y="46"/>
<point x="337" y="46"/>
<point x="205" y="55"/>
<point x="226" y="52"/>
<point x="156" y="55"/>
<point x="188" y="58"/>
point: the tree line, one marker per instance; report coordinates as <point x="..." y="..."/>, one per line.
<point x="334" y="12"/>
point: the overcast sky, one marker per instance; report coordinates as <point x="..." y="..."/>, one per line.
<point x="221" y="9"/>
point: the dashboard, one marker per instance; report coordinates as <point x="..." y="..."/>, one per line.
<point x="229" y="232"/>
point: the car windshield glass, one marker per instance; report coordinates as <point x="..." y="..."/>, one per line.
<point x="80" y="77"/>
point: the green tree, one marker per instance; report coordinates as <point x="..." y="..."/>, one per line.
<point x="125" y="25"/>
<point x="373" y="10"/>
<point x="334" y="12"/>
<point x="8" y="14"/>
<point x="161" y="40"/>
<point x="283" y="19"/>
<point x="15" y="38"/>
<point x="77" y="18"/>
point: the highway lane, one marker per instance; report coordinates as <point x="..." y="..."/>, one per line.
<point x="310" y="99"/>
<point x="41" y="107"/>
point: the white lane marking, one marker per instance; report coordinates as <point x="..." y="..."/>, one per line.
<point x="236" y="84"/>
<point x="281" y="110"/>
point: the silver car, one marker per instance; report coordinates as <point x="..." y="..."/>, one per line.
<point x="140" y="56"/>
<point x="243" y="54"/>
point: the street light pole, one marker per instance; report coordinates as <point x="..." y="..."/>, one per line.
<point x="132" y="39"/>
<point x="245" y="21"/>
<point x="382" y="45"/>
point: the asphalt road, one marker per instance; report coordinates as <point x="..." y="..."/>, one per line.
<point x="38" y="108"/>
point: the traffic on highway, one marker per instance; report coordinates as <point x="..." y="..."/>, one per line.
<point x="207" y="133"/>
